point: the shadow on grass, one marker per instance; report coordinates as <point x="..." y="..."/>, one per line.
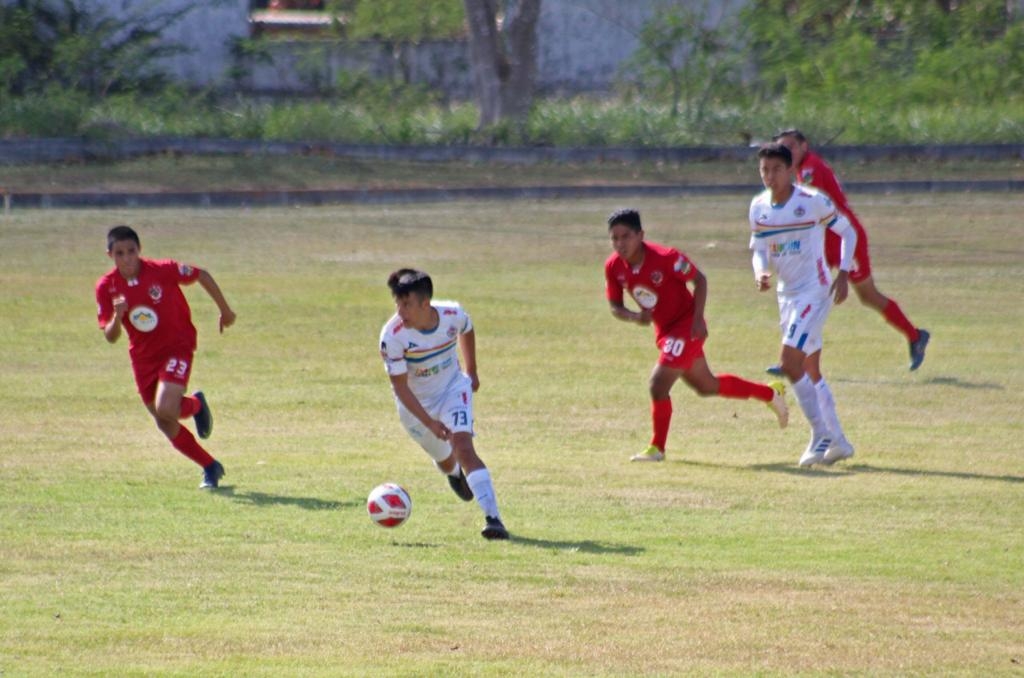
<point x="586" y="546"/>
<point x="264" y="499"/>
<point x="853" y="469"/>
<point x="954" y="382"/>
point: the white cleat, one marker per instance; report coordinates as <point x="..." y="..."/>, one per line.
<point x="840" y="450"/>
<point x="778" y="403"/>
<point x="815" y="452"/>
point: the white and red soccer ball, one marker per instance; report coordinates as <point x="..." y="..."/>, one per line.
<point x="389" y="505"/>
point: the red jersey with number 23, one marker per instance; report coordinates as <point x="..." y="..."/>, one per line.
<point x="658" y="284"/>
<point x="158" y="318"/>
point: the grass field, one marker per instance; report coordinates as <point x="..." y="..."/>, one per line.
<point x="725" y="560"/>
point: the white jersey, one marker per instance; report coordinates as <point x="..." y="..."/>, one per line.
<point x="430" y="358"/>
<point x="791" y="238"/>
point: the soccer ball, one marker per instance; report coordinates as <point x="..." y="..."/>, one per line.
<point x="389" y="505"/>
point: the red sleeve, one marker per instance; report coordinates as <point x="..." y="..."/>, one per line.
<point x="612" y="288"/>
<point x="683" y="268"/>
<point x="824" y="179"/>
<point x="104" y="304"/>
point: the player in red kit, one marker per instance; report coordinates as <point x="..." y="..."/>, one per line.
<point x="659" y="279"/>
<point x="144" y="296"/>
<point x="812" y="170"/>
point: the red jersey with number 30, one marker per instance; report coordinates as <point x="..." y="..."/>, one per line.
<point x="658" y="284"/>
<point x="158" y="316"/>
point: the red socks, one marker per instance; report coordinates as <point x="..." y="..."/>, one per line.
<point x="894" y="316"/>
<point x="186" y="443"/>
<point x="189" y="406"/>
<point x="661" y="415"/>
<point x="731" y="386"/>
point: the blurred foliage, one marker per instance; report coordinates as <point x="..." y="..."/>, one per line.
<point x="409" y="21"/>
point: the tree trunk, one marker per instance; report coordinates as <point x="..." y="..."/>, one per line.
<point x="504" y="60"/>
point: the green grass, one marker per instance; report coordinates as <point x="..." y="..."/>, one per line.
<point x="725" y="560"/>
<point x="270" y="173"/>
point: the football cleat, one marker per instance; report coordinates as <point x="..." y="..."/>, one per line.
<point x="840" y="449"/>
<point x="460" y="487"/>
<point x="212" y="474"/>
<point x="815" y="452"/>
<point x="775" y="370"/>
<point x="652" y="453"/>
<point x="203" y="418"/>
<point x="917" y="348"/>
<point x="494" y="529"/>
<point x="778" y="403"/>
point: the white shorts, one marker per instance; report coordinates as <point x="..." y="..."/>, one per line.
<point x="802" y="320"/>
<point x="454" y="408"/>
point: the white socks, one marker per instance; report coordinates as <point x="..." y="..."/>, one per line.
<point x="480" y="482"/>
<point x="807" y="396"/>
<point x="828" y="409"/>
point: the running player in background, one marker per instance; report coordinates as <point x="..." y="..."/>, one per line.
<point x="813" y="171"/>
<point x="420" y="346"/>
<point x="144" y="296"/>
<point x="788" y="224"/>
<point x="658" y="279"/>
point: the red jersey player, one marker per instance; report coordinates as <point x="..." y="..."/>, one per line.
<point x="144" y="296"/>
<point x="812" y="170"/>
<point x="659" y="278"/>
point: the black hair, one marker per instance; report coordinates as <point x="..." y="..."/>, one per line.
<point x="627" y="216"/>
<point x="791" y="132"/>
<point x="776" y="150"/>
<point x="406" y="281"/>
<point x="119" y="233"/>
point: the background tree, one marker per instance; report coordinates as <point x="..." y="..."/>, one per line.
<point x="503" y="50"/>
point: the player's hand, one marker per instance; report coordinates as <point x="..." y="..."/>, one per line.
<point x="227" y="319"/>
<point x="643" y="317"/>
<point x="840" y="287"/>
<point x="699" y="328"/>
<point x="439" y="429"/>
<point x="474" y="380"/>
<point x="120" y="306"/>
<point x="763" y="282"/>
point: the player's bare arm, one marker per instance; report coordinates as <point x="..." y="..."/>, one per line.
<point x="400" y="385"/>
<point x="840" y="286"/>
<point x="762" y="276"/>
<point x="619" y="310"/>
<point x="227" y="316"/>
<point x="699" y="328"/>
<point x="112" y="330"/>
<point x="467" y="345"/>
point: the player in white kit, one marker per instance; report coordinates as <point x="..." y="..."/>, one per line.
<point x="420" y="346"/>
<point x="788" y="225"/>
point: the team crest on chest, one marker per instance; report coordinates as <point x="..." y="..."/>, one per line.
<point x="452" y="332"/>
<point x="656" y="277"/>
<point x="156" y="293"/>
<point x="800" y="211"/>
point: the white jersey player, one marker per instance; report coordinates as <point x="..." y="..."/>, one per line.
<point x="420" y="346"/>
<point x="788" y="225"/>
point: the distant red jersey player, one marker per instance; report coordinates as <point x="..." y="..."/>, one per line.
<point x="144" y="297"/>
<point x="812" y="170"/>
<point x="658" y="278"/>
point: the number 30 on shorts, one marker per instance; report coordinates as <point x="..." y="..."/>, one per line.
<point x="673" y="347"/>
<point x="177" y="367"/>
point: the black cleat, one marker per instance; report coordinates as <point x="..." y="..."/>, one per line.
<point x="460" y="486"/>
<point x="203" y="418"/>
<point x="212" y="475"/>
<point x="494" y="529"/>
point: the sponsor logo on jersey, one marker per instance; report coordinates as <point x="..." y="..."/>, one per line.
<point x="156" y="293"/>
<point x="450" y="311"/>
<point x="781" y="249"/>
<point x="647" y="298"/>
<point x="143" y="318"/>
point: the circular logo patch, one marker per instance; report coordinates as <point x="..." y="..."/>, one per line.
<point x="645" y="297"/>
<point x="143" y="318"/>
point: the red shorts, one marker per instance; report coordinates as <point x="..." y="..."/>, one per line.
<point x="174" y="367"/>
<point x="861" y="259"/>
<point x="678" y="350"/>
